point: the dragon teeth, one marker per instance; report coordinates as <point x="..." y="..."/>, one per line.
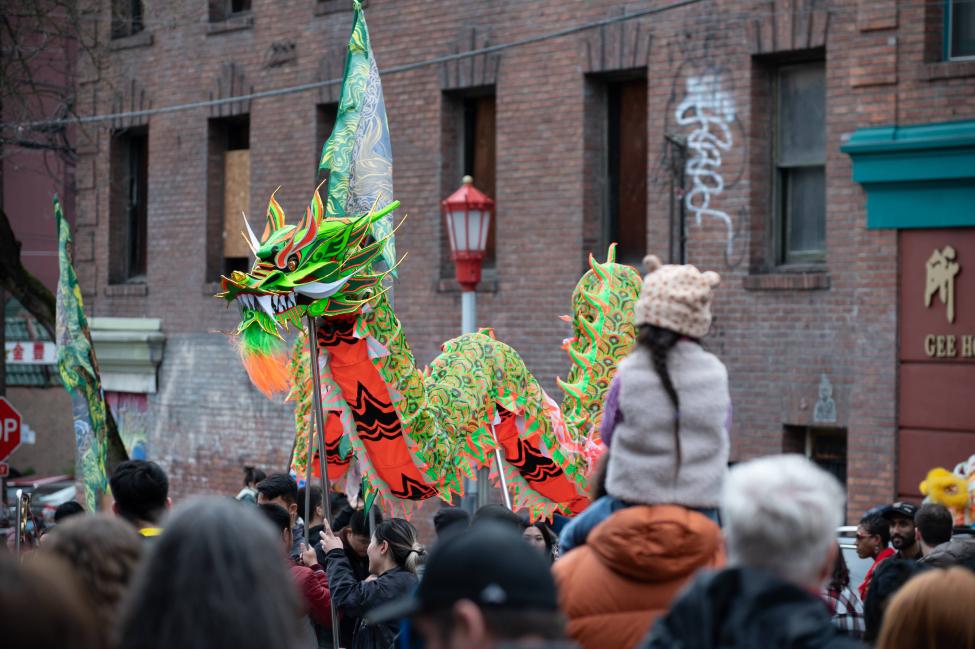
<point x="265" y="303"/>
<point x="271" y="304"/>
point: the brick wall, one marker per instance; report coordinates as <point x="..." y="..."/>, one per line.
<point x="777" y="333"/>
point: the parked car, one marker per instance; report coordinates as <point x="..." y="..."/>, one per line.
<point x="46" y="494"/>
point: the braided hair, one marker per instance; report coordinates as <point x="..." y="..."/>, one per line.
<point x="659" y="341"/>
<point x="403" y="545"/>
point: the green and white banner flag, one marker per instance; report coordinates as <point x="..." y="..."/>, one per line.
<point x="358" y="153"/>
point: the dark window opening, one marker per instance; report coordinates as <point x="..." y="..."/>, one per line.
<point x="825" y="446"/>
<point x="129" y="207"/>
<point x="799" y="159"/>
<point x="228" y="196"/>
<point x="479" y="157"/>
<point x="615" y="166"/>
<point x="626" y="216"/>
<point x="224" y="9"/>
<point x="469" y="149"/>
<point x="127" y="18"/>
<point x="960" y="29"/>
<point x="238" y="134"/>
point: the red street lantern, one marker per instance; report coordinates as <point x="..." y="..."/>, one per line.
<point x="468" y="213"/>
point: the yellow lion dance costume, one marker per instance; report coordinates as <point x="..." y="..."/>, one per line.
<point x="953" y="489"/>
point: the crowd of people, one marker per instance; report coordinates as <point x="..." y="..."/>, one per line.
<point x="676" y="550"/>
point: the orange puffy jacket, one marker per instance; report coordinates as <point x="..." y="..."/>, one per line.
<point x="633" y="565"/>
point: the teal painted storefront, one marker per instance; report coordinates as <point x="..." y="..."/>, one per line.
<point x="916" y="176"/>
<point x="920" y="181"/>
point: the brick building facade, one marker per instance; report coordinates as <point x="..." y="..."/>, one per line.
<point x="744" y="105"/>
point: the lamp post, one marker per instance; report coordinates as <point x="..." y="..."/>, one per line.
<point x="467" y="214"/>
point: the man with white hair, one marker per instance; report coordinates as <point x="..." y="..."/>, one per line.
<point x="780" y="515"/>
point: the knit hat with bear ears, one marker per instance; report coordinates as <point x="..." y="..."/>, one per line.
<point x="676" y="297"/>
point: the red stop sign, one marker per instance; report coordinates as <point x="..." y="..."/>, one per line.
<point x="9" y="429"/>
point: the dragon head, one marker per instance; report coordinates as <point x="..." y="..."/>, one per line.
<point x="321" y="267"/>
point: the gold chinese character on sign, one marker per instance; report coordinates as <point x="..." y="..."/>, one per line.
<point x="940" y="279"/>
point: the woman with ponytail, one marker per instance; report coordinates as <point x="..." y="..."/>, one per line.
<point x="394" y="554"/>
<point x="665" y="425"/>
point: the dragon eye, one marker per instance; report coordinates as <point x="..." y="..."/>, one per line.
<point x="293" y="262"/>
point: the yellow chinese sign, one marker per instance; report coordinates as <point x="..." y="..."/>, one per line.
<point x="941" y="268"/>
<point x="940" y="279"/>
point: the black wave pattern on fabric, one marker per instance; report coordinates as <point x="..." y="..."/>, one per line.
<point x="412" y="489"/>
<point x="336" y="331"/>
<point x="531" y="464"/>
<point x="375" y="419"/>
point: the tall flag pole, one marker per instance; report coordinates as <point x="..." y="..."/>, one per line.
<point x="358" y="154"/>
<point x="98" y="444"/>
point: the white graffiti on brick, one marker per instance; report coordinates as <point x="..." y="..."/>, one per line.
<point x="711" y="111"/>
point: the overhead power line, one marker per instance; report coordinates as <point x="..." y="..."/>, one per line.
<point x="407" y="67"/>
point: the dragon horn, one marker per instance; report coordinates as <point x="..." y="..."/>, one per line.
<point x="301" y="236"/>
<point x="595" y="301"/>
<point x="598" y="268"/>
<point x="570" y="388"/>
<point x="316" y="202"/>
<point x="309" y="224"/>
<point x="590" y="330"/>
<point x="251" y="237"/>
<point x="611" y="254"/>
<point x="275" y="217"/>
<point x="577" y="358"/>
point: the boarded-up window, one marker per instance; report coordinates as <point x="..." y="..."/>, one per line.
<point x="228" y="194"/>
<point x="129" y="207"/>
<point x="236" y="199"/>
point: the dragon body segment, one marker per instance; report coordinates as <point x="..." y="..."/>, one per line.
<point x="412" y="434"/>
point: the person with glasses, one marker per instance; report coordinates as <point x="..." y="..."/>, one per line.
<point x="873" y="539"/>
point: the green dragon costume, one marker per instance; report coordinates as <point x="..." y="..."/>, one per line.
<point x="414" y="435"/>
<point x="409" y="434"/>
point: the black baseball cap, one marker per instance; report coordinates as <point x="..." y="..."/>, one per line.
<point x="489" y="564"/>
<point x="907" y="510"/>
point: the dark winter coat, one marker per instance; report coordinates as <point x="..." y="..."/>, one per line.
<point x="741" y="608"/>
<point x="355" y="598"/>
<point x="956" y="552"/>
<point x="360" y="569"/>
